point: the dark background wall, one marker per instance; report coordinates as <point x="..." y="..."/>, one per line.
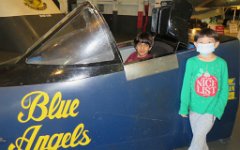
<point x="124" y="27"/>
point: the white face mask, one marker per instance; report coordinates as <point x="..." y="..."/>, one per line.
<point x="205" y="49"/>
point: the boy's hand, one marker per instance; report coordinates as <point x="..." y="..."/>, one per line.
<point x="184" y="116"/>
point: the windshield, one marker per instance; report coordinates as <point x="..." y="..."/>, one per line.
<point x="83" y="40"/>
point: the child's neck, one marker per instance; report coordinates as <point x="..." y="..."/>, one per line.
<point x="141" y="56"/>
<point x="207" y="58"/>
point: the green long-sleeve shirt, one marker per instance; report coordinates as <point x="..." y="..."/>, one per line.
<point x="205" y="87"/>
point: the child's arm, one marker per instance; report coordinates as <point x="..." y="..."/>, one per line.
<point x="186" y="90"/>
<point x="223" y="95"/>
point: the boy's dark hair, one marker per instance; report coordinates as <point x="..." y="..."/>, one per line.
<point x="208" y="33"/>
<point x="144" y="37"/>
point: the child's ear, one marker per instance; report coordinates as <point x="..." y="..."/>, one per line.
<point x="216" y="44"/>
<point x="195" y="44"/>
<point x="149" y="48"/>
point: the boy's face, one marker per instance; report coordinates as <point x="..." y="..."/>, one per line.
<point x="206" y="40"/>
<point x="142" y="49"/>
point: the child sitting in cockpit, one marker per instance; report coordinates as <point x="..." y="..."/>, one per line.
<point x="143" y="44"/>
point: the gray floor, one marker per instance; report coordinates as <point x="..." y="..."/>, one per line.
<point x="233" y="143"/>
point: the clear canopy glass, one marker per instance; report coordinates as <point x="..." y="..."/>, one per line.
<point x="84" y="39"/>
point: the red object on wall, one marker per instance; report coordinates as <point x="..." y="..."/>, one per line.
<point x="140" y="20"/>
<point x="146" y="7"/>
<point x="219" y="29"/>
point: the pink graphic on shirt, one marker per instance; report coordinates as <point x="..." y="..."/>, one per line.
<point x="206" y="85"/>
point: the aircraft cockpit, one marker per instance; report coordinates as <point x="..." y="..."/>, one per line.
<point x="170" y="29"/>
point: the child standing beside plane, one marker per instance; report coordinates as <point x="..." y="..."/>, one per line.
<point x="143" y="44"/>
<point x="205" y="88"/>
